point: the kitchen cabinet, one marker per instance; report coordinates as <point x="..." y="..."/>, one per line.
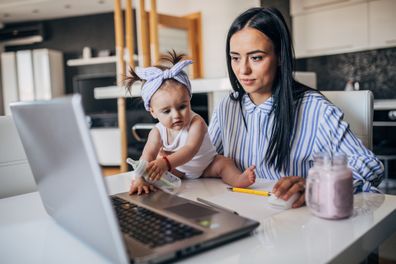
<point x="9" y="80"/>
<point x="305" y="6"/>
<point x="107" y="145"/>
<point x="48" y="73"/>
<point x="331" y="31"/>
<point x="31" y="75"/>
<point x="327" y="27"/>
<point x="382" y="17"/>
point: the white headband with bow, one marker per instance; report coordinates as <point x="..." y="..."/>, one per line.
<point x="154" y="78"/>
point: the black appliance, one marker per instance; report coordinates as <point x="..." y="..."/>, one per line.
<point x="103" y="112"/>
<point x="384" y="138"/>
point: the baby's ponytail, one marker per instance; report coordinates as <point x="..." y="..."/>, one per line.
<point x="130" y="80"/>
<point x="171" y="57"/>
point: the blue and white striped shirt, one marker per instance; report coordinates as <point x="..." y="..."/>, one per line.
<point x="320" y="128"/>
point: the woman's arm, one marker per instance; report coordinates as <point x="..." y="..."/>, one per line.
<point x="334" y="134"/>
<point x="215" y="132"/>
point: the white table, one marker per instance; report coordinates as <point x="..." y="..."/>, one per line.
<point x="29" y="235"/>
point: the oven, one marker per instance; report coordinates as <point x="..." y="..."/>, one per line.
<point x="384" y="139"/>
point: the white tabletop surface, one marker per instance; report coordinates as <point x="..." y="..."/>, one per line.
<point x="29" y="235"/>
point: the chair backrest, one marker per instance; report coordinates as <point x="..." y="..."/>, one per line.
<point x="358" y="112"/>
<point x="15" y="174"/>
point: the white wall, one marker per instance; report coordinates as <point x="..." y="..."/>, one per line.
<point x="217" y="16"/>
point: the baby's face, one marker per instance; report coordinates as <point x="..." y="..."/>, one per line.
<point x="171" y="106"/>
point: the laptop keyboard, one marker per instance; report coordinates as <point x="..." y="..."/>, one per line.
<point x="149" y="227"/>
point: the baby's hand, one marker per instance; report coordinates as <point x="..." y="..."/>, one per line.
<point x="139" y="185"/>
<point x="156" y="168"/>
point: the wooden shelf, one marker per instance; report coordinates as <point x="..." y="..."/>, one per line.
<point x="94" y="61"/>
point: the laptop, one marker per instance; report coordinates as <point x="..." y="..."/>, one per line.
<point x="153" y="228"/>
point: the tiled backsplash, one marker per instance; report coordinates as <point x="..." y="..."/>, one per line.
<point x="375" y="70"/>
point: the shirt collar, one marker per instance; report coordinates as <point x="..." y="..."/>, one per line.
<point x="265" y="108"/>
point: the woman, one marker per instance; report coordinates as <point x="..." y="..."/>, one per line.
<point x="275" y="122"/>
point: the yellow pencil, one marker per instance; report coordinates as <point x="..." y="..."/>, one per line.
<point x="249" y="191"/>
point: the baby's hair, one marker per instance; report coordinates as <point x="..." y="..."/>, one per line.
<point x="170" y="58"/>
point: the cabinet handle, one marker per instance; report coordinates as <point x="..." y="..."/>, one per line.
<point x="141" y="126"/>
<point x="384" y="123"/>
<point x="330" y="48"/>
<point x="317" y="5"/>
<point x="390" y="41"/>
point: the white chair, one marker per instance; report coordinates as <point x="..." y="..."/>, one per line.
<point x="15" y="174"/>
<point x="358" y="112"/>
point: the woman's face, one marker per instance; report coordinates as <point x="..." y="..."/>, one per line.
<point x="254" y="63"/>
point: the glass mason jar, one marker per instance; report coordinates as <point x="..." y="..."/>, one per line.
<point x="329" y="191"/>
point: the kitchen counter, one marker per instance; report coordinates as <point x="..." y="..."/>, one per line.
<point x="208" y="85"/>
<point x="220" y="85"/>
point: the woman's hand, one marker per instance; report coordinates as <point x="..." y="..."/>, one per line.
<point x="287" y="186"/>
<point x="139" y="185"/>
<point x="156" y="168"/>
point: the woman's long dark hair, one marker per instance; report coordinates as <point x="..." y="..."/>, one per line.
<point x="285" y="90"/>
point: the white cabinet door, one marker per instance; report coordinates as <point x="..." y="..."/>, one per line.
<point x="306" y="6"/>
<point x="331" y="31"/>
<point x="25" y="75"/>
<point x="382" y="26"/>
<point x="31" y="75"/>
<point x="9" y="80"/>
<point x="48" y="73"/>
<point x="107" y="145"/>
<point x="42" y="79"/>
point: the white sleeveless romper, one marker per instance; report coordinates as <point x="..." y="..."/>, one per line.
<point x="195" y="167"/>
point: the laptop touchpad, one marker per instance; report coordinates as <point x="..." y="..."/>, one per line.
<point x="191" y="211"/>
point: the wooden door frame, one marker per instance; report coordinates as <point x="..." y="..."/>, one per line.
<point x="192" y="24"/>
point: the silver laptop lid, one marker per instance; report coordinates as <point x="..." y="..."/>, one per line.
<point x="56" y="140"/>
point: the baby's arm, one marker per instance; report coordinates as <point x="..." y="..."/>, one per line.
<point x="195" y="137"/>
<point x="150" y="152"/>
<point x="153" y="145"/>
